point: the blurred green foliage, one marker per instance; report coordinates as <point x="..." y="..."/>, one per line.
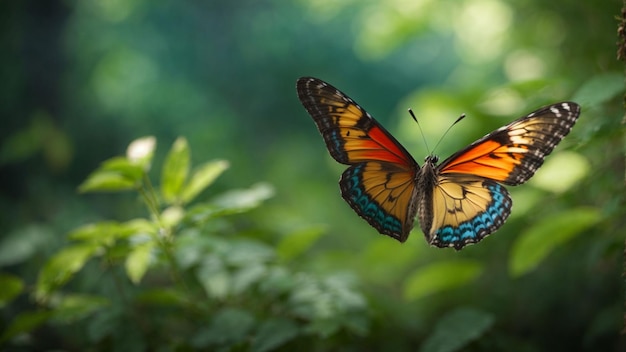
<point x="255" y="249"/>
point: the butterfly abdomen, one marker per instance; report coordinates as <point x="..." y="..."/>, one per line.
<point x="425" y="184"/>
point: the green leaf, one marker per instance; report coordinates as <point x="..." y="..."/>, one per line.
<point x="103" y="233"/>
<point x="61" y="267"/>
<point x="247" y="252"/>
<point x="203" y="212"/>
<point x="238" y="201"/>
<point x="457" y="329"/>
<point x="106" y="233"/>
<point x="202" y="178"/>
<point x="23" y="323"/>
<point x="78" y="306"/>
<point x="246" y="277"/>
<point x="293" y="245"/>
<point x="12" y="286"/>
<point x="440" y="277"/>
<point x="115" y="174"/>
<point x="599" y="89"/>
<point x="191" y="246"/>
<point x="229" y="327"/>
<point x="229" y="203"/>
<point x="138" y="261"/>
<point x="172" y="216"/>
<point x="277" y="282"/>
<point x="136" y="227"/>
<point x="123" y="167"/>
<point x="214" y="277"/>
<point x="329" y="304"/>
<point x="140" y="152"/>
<point x="175" y="170"/>
<point x="106" y="181"/>
<point x="274" y="333"/>
<point x="546" y="235"/>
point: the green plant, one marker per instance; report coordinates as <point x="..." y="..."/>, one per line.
<point x="182" y="278"/>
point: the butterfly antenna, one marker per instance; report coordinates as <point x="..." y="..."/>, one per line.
<point x="449" y="128"/>
<point x="420" y="127"/>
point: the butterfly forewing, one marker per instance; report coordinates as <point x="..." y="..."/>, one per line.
<point x="379" y="186"/>
<point x="513" y="153"/>
<point x="351" y="134"/>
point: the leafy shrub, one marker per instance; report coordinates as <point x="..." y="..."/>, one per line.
<point x="178" y="281"/>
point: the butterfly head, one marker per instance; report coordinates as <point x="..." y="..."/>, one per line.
<point x="431" y="159"/>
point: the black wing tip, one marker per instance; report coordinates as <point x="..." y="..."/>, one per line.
<point x="302" y="83"/>
<point x="307" y="80"/>
<point x="306" y="85"/>
<point x="573" y="108"/>
<point x="303" y="80"/>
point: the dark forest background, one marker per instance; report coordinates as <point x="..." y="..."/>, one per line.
<point x="230" y="234"/>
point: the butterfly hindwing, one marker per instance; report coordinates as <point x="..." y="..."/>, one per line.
<point x="379" y="185"/>
<point x="465" y="210"/>
<point x="513" y="153"/>
<point x="383" y="194"/>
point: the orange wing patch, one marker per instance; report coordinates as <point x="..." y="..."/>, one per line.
<point x="512" y="154"/>
<point x="489" y="159"/>
<point x="351" y="134"/>
<point x="371" y="145"/>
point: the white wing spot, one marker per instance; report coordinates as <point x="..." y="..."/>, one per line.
<point x="555" y="111"/>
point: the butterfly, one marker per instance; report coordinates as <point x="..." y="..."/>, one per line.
<point x="459" y="201"/>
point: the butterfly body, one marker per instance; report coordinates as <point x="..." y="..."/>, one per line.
<point x="457" y="202"/>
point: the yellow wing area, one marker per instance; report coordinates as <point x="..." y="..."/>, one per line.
<point x="456" y="200"/>
<point x="382" y="193"/>
<point x="466" y="209"/>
